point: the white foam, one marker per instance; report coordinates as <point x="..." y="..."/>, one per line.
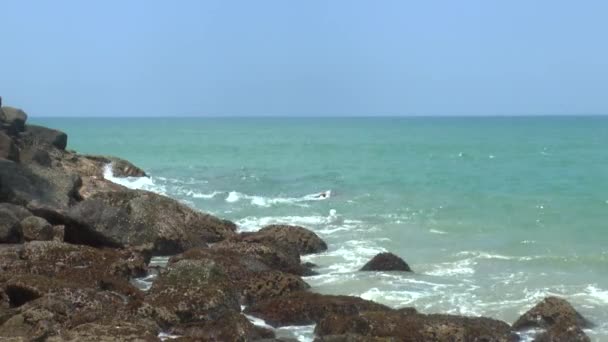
<point x="437" y="231"/>
<point x="137" y="183"/>
<point x="597" y="294"/>
<point x="254" y="223"/>
<point x="258" y="322"/>
<point x="448" y="269"/>
<point x="205" y="196"/>
<point x="164" y="336"/>
<point x="303" y="333"/>
<point x="261" y="201"/>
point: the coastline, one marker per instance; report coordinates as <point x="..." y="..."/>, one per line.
<point x="75" y="193"/>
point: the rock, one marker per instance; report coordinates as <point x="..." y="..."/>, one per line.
<point x="191" y="291"/>
<point x="563" y="333"/>
<point x="253" y="279"/>
<point x="34" y="186"/>
<point x="291" y="237"/>
<point x="549" y="312"/>
<point x="401" y="326"/>
<point x="141" y="218"/>
<point x="19" y="211"/>
<point x="353" y="338"/>
<point x="8" y="149"/>
<point x="231" y="326"/>
<point x="108" y="332"/>
<point x="13" y="120"/>
<point x="36" y="228"/>
<point x="42" y="136"/>
<point x="10" y="227"/>
<point x="386" y="262"/>
<point x="120" y="167"/>
<point x="304" y="308"/>
<point x="79" y="265"/>
<point x="274" y="256"/>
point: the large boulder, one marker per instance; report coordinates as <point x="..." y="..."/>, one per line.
<point x="291" y="237"/>
<point x="304" y="308"/>
<point x="13" y="120"/>
<point x="8" y="149"/>
<point x="191" y="291"/>
<point x="274" y="256"/>
<point x="35" y="186"/>
<point x="549" y="312"/>
<point x="10" y="227"/>
<point x="407" y="326"/>
<point x="36" y="228"/>
<point x="42" y="136"/>
<point x="253" y="279"/>
<point x="386" y="262"/>
<point x="144" y="219"/>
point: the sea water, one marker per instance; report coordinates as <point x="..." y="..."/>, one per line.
<point x="492" y="214"/>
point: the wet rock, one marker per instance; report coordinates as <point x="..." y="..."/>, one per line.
<point x="8" y="149"/>
<point x="253" y="279"/>
<point x="304" y="308"/>
<point x="13" y="120"/>
<point x="120" y="167"/>
<point x="386" y="262"/>
<point x="563" y="333"/>
<point x="401" y="326"/>
<point x="290" y="237"/>
<point x="191" y="291"/>
<point x="231" y="326"/>
<point x="274" y="256"/>
<point x="42" y="136"/>
<point x="142" y="218"/>
<point x="549" y="312"/>
<point x="36" y="228"/>
<point x="354" y="338"/>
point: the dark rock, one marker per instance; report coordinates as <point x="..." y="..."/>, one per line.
<point x="549" y="312"/>
<point x="8" y="149"/>
<point x="13" y="120"/>
<point x="386" y="262"/>
<point x="290" y="237"/>
<point x="275" y="256"/>
<point x="108" y="332"/>
<point x="354" y="338"/>
<point x="141" y="218"/>
<point x="303" y="308"/>
<point x="42" y="136"/>
<point x="231" y="326"/>
<point x="253" y="279"/>
<point x="563" y="333"/>
<point x="120" y="167"/>
<point x="10" y="227"/>
<point x="191" y="291"/>
<point x="36" y="228"/>
<point x="35" y="186"/>
<point x="401" y="326"/>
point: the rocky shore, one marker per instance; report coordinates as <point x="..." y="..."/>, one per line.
<point x="71" y="242"/>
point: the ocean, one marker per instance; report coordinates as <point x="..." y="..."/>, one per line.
<point x="492" y="214"/>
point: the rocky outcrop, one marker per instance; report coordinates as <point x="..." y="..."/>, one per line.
<point x="42" y="136"/>
<point x="8" y="149"/>
<point x="386" y="262"/>
<point x="12" y="120"/>
<point x="253" y="279"/>
<point x="290" y="237"/>
<point x="144" y="219"/>
<point x="400" y="326"/>
<point x="558" y="318"/>
<point x="190" y="291"/>
<point x="231" y="326"/>
<point x="303" y="308"/>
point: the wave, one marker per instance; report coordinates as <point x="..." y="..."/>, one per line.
<point x="261" y="201"/>
<point x="136" y="183"/>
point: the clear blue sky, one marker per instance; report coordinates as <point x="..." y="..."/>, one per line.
<point x="299" y="58"/>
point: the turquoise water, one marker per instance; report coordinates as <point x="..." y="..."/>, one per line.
<point x="492" y="214"/>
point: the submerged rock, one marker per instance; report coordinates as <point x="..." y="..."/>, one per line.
<point x="291" y="237"/>
<point x="386" y="262"/>
<point x="144" y="219"/>
<point x="304" y="308"/>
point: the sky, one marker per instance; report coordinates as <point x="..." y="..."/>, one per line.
<point x="304" y="58"/>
